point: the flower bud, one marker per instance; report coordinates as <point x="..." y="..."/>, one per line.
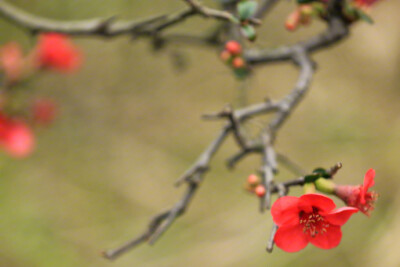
<point x="293" y="20"/>
<point x="238" y="63"/>
<point x="253" y="180"/>
<point x="233" y="47"/>
<point x="260" y="191"/>
<point x="225" y="55"/>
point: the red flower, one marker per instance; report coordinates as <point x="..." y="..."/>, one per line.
<point x="56" y="51"/>
<point x="309" y="218"/>
<point x="358" y="196"/>
<point x="16" y="138"/>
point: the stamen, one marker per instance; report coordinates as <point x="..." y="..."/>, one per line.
<point x="313" y="223"/>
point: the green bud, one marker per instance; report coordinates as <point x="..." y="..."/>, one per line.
<point x="309" y="188"/>
<point x="325" y="185"/>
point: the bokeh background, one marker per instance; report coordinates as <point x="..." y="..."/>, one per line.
<point x="130" y="125"/>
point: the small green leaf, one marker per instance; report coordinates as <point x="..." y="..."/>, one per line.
<point x="322" y="172"/>
<point x="311" y="178"/>
<point x="246" y="9"/>
<point x="364" y="16"/>
<point x="241" y="73"/>
<point x="249" y="32"/>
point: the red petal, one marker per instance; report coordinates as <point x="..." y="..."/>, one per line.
<point x="340" y="216"/>
<point x="368" y="182"/>
<point x="327" y="240"/>
<point x="323" y="203"/>
<point x="285" y="211"/>
<point x="291" y="239"/>
<point x="369" y="179"/>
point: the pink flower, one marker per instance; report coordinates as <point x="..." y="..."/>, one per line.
<point x="310" y="218"/>
<point x="56" y="51"/>
<point x="358" y="196"/>
<point x="16" y="138"/>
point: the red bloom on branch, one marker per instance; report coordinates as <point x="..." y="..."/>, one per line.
<point x="310" y="218"/>
<point x="16" y="138"/>
<point x="358" y="196"/>
<point x="56" y="51"/>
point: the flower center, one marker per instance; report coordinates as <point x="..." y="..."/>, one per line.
<point x="368" y="206"/>
<point x="313" y="223"/>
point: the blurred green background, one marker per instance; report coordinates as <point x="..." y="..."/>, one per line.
<point x="130" y="125"/>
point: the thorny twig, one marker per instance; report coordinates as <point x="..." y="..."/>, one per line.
<point x="299" y="54"/>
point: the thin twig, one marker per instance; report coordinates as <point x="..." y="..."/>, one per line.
<point x="268" y="169"/>
<point x="107" y="27"/>
<point x="202" y="163"/>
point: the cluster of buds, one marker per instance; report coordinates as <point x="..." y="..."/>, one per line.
<point x="306" y="10"/>
<point x="303" y="15"/>
<point x="254" y="186"/>
<point x="19" y="115"/>
<point x="232" y="56"/>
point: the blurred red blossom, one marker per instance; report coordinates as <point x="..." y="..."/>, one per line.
<point x="16" y="138"/>
<point x="365" y="3"/>
<point x="56" y="51"/>
<point x="358" y="196"/>
<point x="310" y="218"/>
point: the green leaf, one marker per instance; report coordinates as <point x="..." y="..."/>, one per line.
<point x="364" y="16"/>
<point x="322" y="172"/>
<point x="246" y="9"/>
<point x="249" y="32"/>
<point x="311" y="178"/>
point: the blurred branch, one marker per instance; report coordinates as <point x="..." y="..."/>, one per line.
<point x="209" y="12"/>
<point x="108" y="27"/>
<point x="269" y="168"/>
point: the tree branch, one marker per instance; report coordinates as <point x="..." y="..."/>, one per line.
<point x="108" y="27"/>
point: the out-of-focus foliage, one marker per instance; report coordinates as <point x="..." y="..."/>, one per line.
<point x="129" y="125"/>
